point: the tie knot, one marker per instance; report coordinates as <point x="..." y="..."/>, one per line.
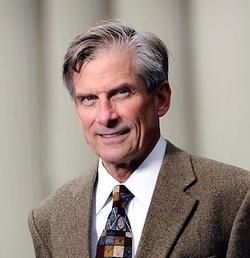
<point x="121" y="196"/>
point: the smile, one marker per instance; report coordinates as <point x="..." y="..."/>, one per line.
<point x="114" y="138"/>
<point x="115" y="134"/>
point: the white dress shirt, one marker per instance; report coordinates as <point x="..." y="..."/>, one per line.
<point x="141" y="183"/>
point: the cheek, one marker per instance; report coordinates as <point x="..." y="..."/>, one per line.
<point x="139" y="113"/>
<point x="149" y="119"/>
<point x="86" y="119"/>
<point x="130" y="111"/>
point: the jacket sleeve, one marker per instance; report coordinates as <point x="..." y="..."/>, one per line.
<point x="39" y="246"/>
<point x="239" y="243"/>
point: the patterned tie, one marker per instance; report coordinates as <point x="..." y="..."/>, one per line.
<point x="116" y="239"/>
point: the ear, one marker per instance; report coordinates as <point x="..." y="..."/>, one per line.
<point x="162" y="98"/>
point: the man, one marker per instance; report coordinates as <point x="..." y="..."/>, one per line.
<point x="179" y="205"/>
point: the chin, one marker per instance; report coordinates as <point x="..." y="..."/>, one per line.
<point x="114" y="158"/>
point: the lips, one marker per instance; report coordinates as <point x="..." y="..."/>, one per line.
<point x="114" y="134"/>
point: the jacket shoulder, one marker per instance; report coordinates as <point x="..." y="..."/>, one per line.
<point x="64" y="196"/>
<point x="212" y="168"/>
<point x="211" y="174"/>
<point x="219" y="180"/>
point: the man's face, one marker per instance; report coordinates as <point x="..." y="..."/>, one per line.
<point x="119" y="116"/>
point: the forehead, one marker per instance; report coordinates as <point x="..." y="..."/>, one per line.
<point x="107" y="67"/>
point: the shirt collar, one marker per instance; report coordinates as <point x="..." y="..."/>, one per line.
<point x="141" y="183"/>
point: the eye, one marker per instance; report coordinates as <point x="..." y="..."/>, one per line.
<point x="87" y="100"/>
<point x="122" y="92"/>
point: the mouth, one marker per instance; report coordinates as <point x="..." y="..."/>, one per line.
<point x="114" y="134"/>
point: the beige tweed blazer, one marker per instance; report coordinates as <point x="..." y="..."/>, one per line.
<point x="200" y="208"/>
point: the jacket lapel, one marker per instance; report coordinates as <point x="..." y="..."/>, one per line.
<point x="77" y="226"/>
<point x="170" y="208"/>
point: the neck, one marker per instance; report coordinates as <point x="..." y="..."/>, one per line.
<point x="120" y="174"/>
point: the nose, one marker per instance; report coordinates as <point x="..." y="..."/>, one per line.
<point x="106" y="113"/>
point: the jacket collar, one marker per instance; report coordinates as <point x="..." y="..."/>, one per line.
<point x="77" y="222"/>
<point x="171" y="207"/>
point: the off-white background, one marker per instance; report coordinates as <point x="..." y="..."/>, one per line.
<point x="41" y="144"/>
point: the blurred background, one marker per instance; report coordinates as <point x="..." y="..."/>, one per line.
<point x="41" y="143"/>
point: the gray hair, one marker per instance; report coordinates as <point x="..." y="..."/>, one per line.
<point x="152" y="54"/>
